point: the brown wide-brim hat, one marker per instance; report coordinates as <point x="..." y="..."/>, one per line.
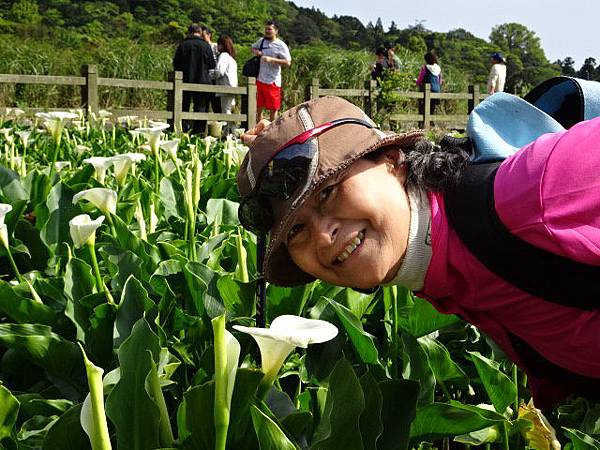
<point x="337" y="148"/>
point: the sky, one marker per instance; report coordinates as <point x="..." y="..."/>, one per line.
<point x="565" y="28"/>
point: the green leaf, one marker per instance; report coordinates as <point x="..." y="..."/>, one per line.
<point x="244" y="390"/>
<point x="440" y="361"/>
<point x="270" y="436"/>
<point x="61" y="210"/>
<point x="222" y="211"/>
<point x="420" y="318"/>
<point x="339" y="426"/>
<point x="438" y="420"/>
<point x="46" y="349"/>
<point x="66" y="433"/>
<point x="9" y="411"/>
<point x="238" y="297"/>
<point x="22" y="309"/>
<point x="500" y="388"/>
<point x="363" y="342"/>
<point x="371" y="426"/>
<point x="416" y="367"/>
<point x="79" y="279"/>
<point x="581" y="441"/>
<point x="397" y="421"/>
<point x="172" y="198"/>
<point x="199" y="407"/>
<point x="286" y="300"/>
<point x="202" y="284"/>
<point x="134" y="303"/>
<point x="129" y="406"/>
<point x="11" y="186"/>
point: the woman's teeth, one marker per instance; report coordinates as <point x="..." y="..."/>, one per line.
<point x="351" y="247"/>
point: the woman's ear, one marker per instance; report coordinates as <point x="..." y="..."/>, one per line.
<point x="394" y="158"/>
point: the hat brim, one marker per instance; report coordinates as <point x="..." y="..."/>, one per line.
<point x="279" y="268"/>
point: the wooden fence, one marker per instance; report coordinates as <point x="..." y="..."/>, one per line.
<point x="90" y="81"/>
<point x="369" y="100"/>
<point x="173" y="87"/>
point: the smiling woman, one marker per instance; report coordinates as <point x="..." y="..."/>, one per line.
<point x="347" y="204"/>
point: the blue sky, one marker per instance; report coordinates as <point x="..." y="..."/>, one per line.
<point x="565" y="28"/>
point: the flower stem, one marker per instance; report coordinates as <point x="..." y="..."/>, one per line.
<point x="99" y="283"/>
<point x="221" y="411"/>
<point x="156" y="175"/>
<point x="13" y="265"/>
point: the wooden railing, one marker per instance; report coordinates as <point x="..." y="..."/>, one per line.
<point x="173" y="87"/>
<point x="90" y="81"/>
<point x="369" y="100"/>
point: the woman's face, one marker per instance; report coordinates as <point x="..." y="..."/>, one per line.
<point x="354" y="230"/>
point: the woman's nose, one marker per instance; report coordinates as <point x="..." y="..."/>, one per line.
<point x="325" y="229"/>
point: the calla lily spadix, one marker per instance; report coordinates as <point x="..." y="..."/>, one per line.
<point x="285" y="334"/>
<point x="101" y="165"/>
<point x="103" y="199"/>
<point x="83" y="229"/>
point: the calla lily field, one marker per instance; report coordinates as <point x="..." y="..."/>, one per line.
<point x="127" y="318"/>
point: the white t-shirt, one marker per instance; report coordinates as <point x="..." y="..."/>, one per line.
<point x="225" y="74"/>
<point x="497" y="78"/>
<point x="270" y="72"/>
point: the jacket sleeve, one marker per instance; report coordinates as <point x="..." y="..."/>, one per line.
<point x="222" y="64"/>
<point x="178" y="59"/>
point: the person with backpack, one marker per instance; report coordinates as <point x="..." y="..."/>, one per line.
<point x="342" y="202"/>
<point x="431" y="73"/>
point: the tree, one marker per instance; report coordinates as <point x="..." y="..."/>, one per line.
<point x="588" y="70"/>
<point x="567" y="66"/>
<point x="527" y="63"/>
<point x="25" y="11"/>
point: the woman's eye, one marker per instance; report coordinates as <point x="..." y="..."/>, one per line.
<point x="297" y="228"/>
<point x="325" y="193"/>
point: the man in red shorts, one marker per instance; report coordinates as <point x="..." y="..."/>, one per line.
<point x="274" y="54"/>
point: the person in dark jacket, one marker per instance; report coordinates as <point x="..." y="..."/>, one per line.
<point x="194" y="58"/>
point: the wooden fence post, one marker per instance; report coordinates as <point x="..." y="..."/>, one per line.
<point x="249" y="103"/>
<point x="370" y="86"/>
<point x="427" y="106"/>
<point x="473" y="97"/>
<point x="175" y="99"/>
<point x="89" y="91"/>
<point x="314" y="89"/>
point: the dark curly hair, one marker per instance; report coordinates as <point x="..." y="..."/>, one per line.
<point x="434" y="167"/>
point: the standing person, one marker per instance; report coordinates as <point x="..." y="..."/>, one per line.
<point x="497" y="76"/>
<point x="381" y="63"/>
<point x="431" y="73"/>
<point x="225" y="74"/>
<point x="194" y="58"/>
<point x="274" y="54"/>
<point x="207" y="36"/>
<point x="393" y="61"/>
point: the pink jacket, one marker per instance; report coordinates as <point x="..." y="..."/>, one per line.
<point x="548" y="194"/>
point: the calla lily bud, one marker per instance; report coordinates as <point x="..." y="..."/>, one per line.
<point x="103" y="199"/>
<point x="83" y="229"/>
<point x="4" y="210"/>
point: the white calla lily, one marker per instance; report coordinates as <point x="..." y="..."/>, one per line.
<point x="55" y="121"/>
<point x="122" y="164"/>
<point x="80" y="149"/>
<point x="168" y="166"/>
<point x="101" y="165"/>
<point x="83" y="229"/>
<point x="60" y="165"/>
<point x="24" y="136"/>
<point x="103" y="199"/>
<point x="5" y="208"/>
<point x="208" y="141"/>
<point x="153" y="135"/>
<point x="171" y="148"/>
<point x="286" y="333"/>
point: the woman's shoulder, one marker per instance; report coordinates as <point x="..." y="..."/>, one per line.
<point x="547" y="193"/>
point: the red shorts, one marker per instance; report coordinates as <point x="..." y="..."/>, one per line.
<point x="268" y="96"/>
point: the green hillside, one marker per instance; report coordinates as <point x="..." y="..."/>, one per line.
<point x="136" y="39"/>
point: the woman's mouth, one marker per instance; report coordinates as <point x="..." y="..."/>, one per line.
<point x="350" y="248"/>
